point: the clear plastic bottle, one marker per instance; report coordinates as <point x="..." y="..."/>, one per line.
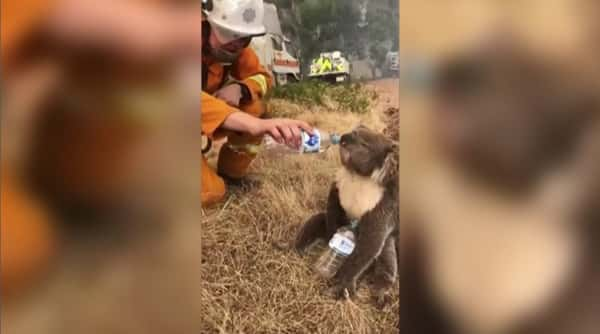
<point x="340" y="247"/>
<point x="318" y="142"/>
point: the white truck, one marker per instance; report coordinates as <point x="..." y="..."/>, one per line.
<point x="392" y="66"/>
<point x="272" y="51"/>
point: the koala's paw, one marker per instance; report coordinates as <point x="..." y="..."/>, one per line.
<point x="342" y="291"/>
<point x="382" y="299"/>
<point x="281" y="245"/>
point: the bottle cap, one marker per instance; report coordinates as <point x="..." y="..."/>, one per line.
<point x="335" y="138"/>
<point x="353" y="224"/>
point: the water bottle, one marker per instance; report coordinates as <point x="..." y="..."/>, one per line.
<point x="340" y="247"/>
<point x="318" y="142"/>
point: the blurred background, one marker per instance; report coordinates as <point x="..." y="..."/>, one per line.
<point x="100" y="161"/>
<point x="498" y="118"/>
<point x="430" y="34"/>
<point x="558" y="32"/>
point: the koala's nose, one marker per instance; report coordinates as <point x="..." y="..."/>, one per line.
<point x="345" y="139"/>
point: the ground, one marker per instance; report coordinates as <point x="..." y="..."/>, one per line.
<point x="249" y="286"/>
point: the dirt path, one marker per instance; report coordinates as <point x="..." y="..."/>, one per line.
<point x="389" y="91"/>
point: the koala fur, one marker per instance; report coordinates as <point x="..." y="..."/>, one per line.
<point x="366" y="189"/>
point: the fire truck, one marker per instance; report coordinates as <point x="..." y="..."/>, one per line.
<point x="332" y="67"/>
<point x="392" y="66"/>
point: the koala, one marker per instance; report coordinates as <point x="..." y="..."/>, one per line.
<point x="503" y="233"/>
<point x="366" y="189"/>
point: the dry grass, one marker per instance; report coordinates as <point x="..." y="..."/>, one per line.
<point x="392" y="129"/>
<point x="250" y="286"/>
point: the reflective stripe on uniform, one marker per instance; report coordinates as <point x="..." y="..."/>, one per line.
<point x="326" y="66"/>
<point x="261" y="81"/>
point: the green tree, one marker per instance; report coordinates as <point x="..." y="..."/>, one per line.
<point x="325" y="25"/>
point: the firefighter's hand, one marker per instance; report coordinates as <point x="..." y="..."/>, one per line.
<point x="284" y="130"/>
<point x="232" y="94"/>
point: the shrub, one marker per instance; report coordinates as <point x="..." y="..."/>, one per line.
<point x="352" y="97"/>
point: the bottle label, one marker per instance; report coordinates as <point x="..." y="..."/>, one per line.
<point x="341" y="244"/>
<point x="311" y="143"/>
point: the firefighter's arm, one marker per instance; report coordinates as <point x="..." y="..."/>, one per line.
<point x="252" y="74"/>
<point x="214" y="112"/>
<point x="218" y="115"/>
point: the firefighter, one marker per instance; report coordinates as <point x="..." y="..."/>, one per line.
<point x="318" y="62"/>
<point x="234" y="84"/>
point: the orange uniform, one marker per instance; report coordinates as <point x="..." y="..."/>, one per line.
<point x="248" y="71"/>
<point x="19" y="19"/>
<point x="28" y="240"/>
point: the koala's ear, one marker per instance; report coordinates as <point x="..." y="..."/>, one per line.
<point x="392" y="147"/>
<point x="360" y="126"/>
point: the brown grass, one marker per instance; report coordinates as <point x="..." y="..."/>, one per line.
<point x="392" y="129"/>
<point x="252" y="287"/>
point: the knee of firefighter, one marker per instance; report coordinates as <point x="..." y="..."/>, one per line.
<point x="255" y="108"/>
<point x="212" y="187"/>
<point x="233" y="163"/>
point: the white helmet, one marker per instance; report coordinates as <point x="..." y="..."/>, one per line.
<point x="234" y="19"/>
